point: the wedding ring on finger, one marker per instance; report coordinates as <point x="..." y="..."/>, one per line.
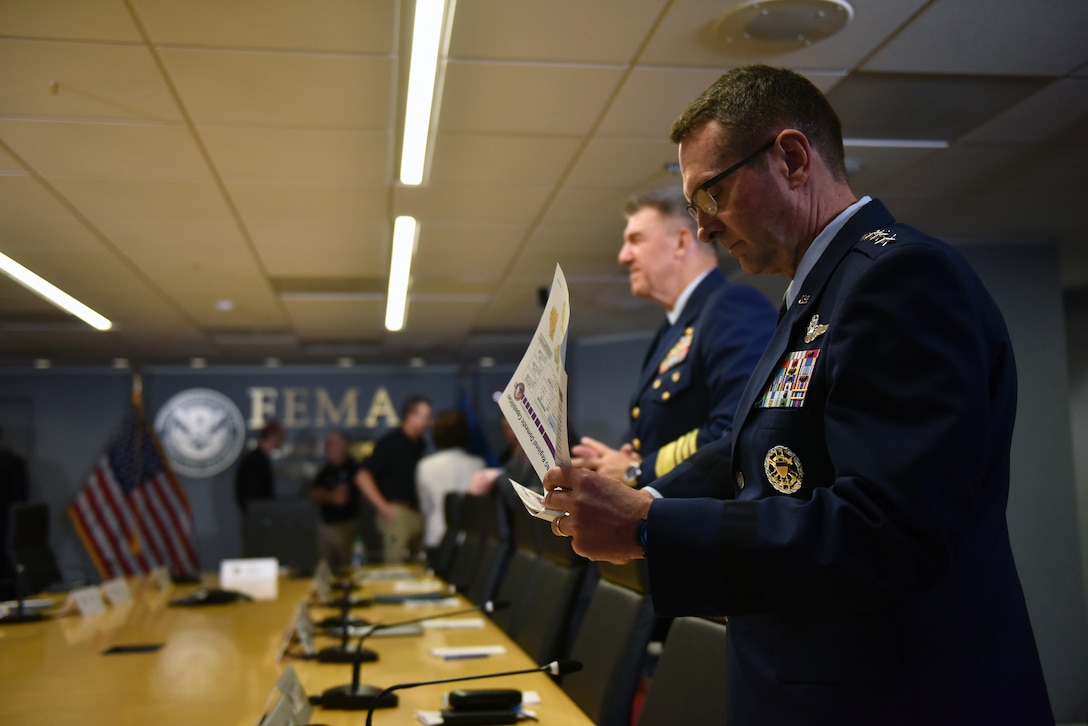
<point x="558" y="529"/>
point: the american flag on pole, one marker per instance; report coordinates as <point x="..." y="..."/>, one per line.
<point x="132" y="514"/>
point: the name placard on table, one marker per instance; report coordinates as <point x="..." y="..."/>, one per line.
<point x="257" y="577"/>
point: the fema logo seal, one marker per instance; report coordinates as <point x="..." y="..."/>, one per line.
<point x="202" y="432"/>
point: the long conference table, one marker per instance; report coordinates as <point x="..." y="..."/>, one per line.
<point x="218" y="664"/>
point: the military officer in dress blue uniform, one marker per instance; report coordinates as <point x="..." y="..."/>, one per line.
<point x="863" y="559"/>
<point x="696" y="367"/>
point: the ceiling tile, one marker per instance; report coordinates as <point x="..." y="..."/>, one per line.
<point x="948" y="172"/>
<point x="651" y="99"/>
<point x="463" y="203"/>
<point x="94" y="81"/>
<point x="618" y="163"/>
<point x="335" y="248"/>
<point x="1056" y="114"/>
<point x="489" y="158"/>
<point x="109" y="198"/>
<point x="8" y="165"/>
<point x="313" y="155"/>
<point x="526" y="30"/>
<point x="440" y="320"/>
<point x="107" y="151"/>
<point x="686" y="37"/>
<point x="316" y="25"/>
<point x="78" y="20"/>
<point x="524" y="99"/>
<point x="282" y="89"/>
<point x="24" y="197"/>
<point x="880" y="166"/>
<point x="943" y="107"/>
<point x="442" y="251"/>
<point x="984" y="37"/>
<point x="309" y="201"/>
<point x="337" y="321"/>
<point x="588" y="205"/>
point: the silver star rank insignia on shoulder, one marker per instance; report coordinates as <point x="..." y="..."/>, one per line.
<point x="815" y="330"/>
<point x="879" y="237"/>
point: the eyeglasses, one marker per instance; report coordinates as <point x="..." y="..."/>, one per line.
<point x="701" y="199"/>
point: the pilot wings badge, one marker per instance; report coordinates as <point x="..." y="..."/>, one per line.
<point x="815" y="330"/>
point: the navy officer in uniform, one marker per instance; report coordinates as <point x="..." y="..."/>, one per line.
<point x="863" y="559"/>
<point x="696" y="367"/>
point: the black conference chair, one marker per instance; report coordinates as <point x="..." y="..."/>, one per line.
<point x="550" y="600"/>
<point x="441" y="558"/>
<point x="689" y="683"/>
<point x="29" y="553"/>
<point x="282" y="528"/>
<point x="466" y="562"/>
<point x="611" y="644"/>
<point x="521" y="572"/>
<point x="496" y="550"/>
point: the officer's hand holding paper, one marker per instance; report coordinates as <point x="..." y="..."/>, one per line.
<point x="535" y="400"/>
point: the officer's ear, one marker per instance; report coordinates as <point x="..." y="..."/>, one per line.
<point x="793" y="152"/>
<point x="684" y="240"/>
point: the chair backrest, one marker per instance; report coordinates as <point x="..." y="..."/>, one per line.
<point x="30" y="554"/>
<point x="689" y="682"/>
<point x="549" y="602"/>
<point x="611" y="644"/>
<point x="521" y="574"/>
<point x="442" y="557"/>
<point x="470" y="550"/>
<point x="496" y="551"/>
<point x="282" y="528"/>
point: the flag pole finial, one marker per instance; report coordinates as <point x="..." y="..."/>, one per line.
<point x="137" y="389"/>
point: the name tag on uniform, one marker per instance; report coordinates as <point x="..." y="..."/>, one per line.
<point x="790" y="383"/>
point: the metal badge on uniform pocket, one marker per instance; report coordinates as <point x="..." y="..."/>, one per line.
<point x="783" y="469"/>
<point x="790" y="384"/>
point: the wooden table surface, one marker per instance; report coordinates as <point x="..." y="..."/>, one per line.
<point x="218" y="664"/>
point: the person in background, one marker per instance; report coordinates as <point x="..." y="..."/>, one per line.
<point x="254" y="478"/>
<point x="696" y="367"/>
<point x="516" y="466"/>
<point x="335" y="491"/>
<point x="387" y="478"/>
<point x="863" y="555"/>
<point x="449" y="469"/>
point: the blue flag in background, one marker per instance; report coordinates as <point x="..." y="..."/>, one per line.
<point x="477" y="442"/>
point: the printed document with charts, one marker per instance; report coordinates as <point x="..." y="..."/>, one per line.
<point x="535" y="400"/>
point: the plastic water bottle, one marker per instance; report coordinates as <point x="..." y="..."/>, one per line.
<point x="358" y="553"/>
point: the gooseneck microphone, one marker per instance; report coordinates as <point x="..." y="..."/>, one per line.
<point x="356" y="697"/>
<point x="555" y="668"/>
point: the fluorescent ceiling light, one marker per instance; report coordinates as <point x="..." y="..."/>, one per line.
<point x="897" y="143"/>
<point x="422" y="87"/>
<point x="52" y="293"/>
<point x="405" y="234"/>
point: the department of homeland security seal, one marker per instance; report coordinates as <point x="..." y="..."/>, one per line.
<point x="202" y="432"/>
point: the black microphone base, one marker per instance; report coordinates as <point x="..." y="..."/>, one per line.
<point x="350" y="602"/>
<point x="346" y="698"/>
<point x="24" y="617"/>
<point x="340" y="654"/>
<point x="345" y="585"/>
<point x="337" y="621"/>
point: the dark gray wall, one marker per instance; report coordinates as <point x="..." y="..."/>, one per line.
<point x="72" y="416"/>
<point x="64" y="420"/>
<point x="1042" y="511"/>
